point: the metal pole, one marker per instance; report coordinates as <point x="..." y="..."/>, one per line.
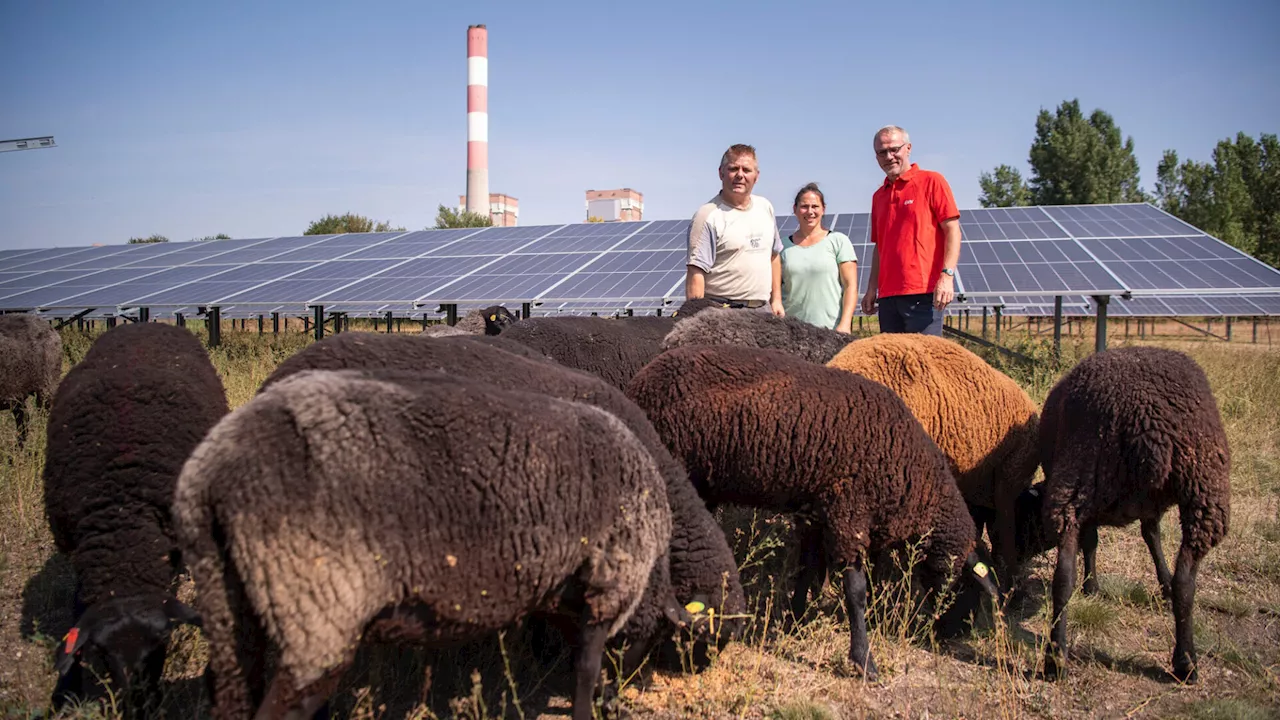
<point x="259" y="324"/>
<point x="319" y="321"/>
<point x="1255" y="331"/>
<point x="1228" y="329"/>
<point x="388" y="322"/>
<point x="451" y="314"/>
<point x="179" y="320"/>
<point x="999" y="322"/>
<point x="275" y="323"/>
<point x="214" y="319"/>
<point x="1057" y="326"/>
<point x="1100" y="333"/>
<point x="984" y="322"/>
<point x="526" y="310"/>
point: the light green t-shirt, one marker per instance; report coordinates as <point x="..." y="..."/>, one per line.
<point x="811" y="288"/>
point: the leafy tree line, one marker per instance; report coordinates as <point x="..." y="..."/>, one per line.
<point x="1076" y="159"/>
<point x="351" y="223"/>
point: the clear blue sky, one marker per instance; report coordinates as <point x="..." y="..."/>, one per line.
<point x="253" y="119"/>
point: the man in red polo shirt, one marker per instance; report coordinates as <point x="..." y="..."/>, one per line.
<point x="915" y="233"/>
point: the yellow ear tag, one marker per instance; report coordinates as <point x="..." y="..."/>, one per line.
<point x="493" y="318"/>
<point x="980" y="570"/>
<point x="695" y="607"/>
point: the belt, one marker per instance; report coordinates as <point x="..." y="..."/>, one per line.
<point x="737" y="303"/>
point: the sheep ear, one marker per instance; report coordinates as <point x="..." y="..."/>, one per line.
<point x="72" y="642"/>
<point x="180" y="612"/>
<point x="982" y="573"/>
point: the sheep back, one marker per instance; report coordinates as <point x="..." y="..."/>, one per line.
<point x="979" y="417"/>
<point x="1128" y="433"/>
<point x="769" y="429"/>
<point x="30" y="359"/>
<point x="758" y="329"/>
<point x="122" y="424"/>
<point x="611" y="349"/>
<point x="475" y="505"/>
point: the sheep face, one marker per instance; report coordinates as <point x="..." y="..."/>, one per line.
<point x="123" y="640"/>
<point x="1033" y="536"/>
<point x="496" y="318"/>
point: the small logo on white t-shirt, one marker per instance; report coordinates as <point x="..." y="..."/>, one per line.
<point x="907" y="202"/>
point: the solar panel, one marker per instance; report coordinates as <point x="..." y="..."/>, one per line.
<point x="1012" y="257"/>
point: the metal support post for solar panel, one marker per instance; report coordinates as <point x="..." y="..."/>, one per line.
<point x="213" y="319"/>
<point x="1100" y="332"/>
<point x="388" y="322"/>
<point x="451" y="314"/>
<point x="275" y="323"/>
<point x="399" y="322"/>
<point x="1255" y="331"/>
<point x="1057" y="327"/>
<point x="179" y="319"/>
<point x="319" y="321"/>
<point x="111" y="321"/>
<point x="526" y="309"/>
<point x="261" y="326"/>
<point x="1126" y="328"/>
<point x="998" y="323"/>
<point x="984" y="322"/>
<point x="1228" y="328"/>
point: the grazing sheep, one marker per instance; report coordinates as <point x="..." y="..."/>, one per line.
<point x="30" y="364"/>
<point x="431" y="512"/>
<point x="758" y="329"/>
<point x="689" y="308"/>
<point x="482" y="321"/>
<point x="702" y="566"/>
<point x="1124" y="436"/>
<point x="979" y="417"/>
<point x="767" y="429"/>
<point x="612" y="349"/>
<point x="123" y="422"/>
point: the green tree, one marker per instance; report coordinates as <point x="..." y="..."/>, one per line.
<point x="157" y="238"/>
<point x="207" y="238"/>
<point x="1079" y="160"/>
<point x="348" y="223"/>
<point x="594" y="219"/>
<point x="1003" y="187"/>
<point x="1235" y="196"/>
<point x="450" y="218"/>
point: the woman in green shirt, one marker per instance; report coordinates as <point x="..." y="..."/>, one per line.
<point x="819" y="268"/>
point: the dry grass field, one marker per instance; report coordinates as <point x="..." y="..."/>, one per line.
<point x="1121" y="640"/>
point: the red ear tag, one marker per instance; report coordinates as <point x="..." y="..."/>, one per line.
<point x="71" y="637"/>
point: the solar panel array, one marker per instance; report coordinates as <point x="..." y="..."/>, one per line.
<point x="1015" y="258"/>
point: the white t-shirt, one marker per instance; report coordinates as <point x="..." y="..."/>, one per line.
<point x="735" y="248"/>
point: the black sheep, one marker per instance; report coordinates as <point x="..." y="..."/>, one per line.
<point x="430" y="511"/>
<point x="612" y="349"/>
<point x="1124" y="436"/>
<point x="123" y="422"/>
<point x="702" y="570"/>
<point x="767" y="429"/>
<point x="757" y="328"/>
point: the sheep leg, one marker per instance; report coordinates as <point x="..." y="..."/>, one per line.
<point x="1089" y="547"/>
<point x="855" y="596"/>
<point x="20" y="420"/>
<point x="1184" y="595"/>
<point x="813" y="567"/>
<point x="1151" y="535"/>
<point x="283" y="702"/>
<point x="1004" y="545"/>
<point x="590" y="656"/>
<point x="1064" y="583"/>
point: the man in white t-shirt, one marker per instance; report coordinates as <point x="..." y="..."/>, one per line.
<point x="734" y="243"/>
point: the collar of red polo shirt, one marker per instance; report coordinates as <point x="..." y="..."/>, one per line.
<point x="906" y="175"/>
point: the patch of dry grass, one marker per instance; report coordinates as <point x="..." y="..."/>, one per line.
<point x="1121" y="639"/>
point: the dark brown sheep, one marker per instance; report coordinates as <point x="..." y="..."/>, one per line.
<point x="767" y="429"/>
<point x="30" y="364"/>
<point x="123" y="422"/>
<point x="702" y="568"/>
<point x="1124" y="436"/>
<point x="431" y="512"/>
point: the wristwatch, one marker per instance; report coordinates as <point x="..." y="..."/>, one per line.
<point x="949" y="271"/>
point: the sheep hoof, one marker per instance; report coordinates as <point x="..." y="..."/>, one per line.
<point x="1090" y="587"/>
<point x="1055" y="668"/>
<point x="1184" y="669"/>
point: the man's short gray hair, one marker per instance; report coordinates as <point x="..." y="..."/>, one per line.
<point x="891" y="129"/>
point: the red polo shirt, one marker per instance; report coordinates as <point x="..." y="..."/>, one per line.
<point x="906" y="218"/>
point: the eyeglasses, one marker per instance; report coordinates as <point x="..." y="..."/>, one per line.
<point x="886" y="152"/>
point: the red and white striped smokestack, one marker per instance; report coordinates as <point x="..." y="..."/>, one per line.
<point x="478" y="120"/>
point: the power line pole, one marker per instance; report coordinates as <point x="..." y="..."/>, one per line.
<point x="27" y="144"/>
